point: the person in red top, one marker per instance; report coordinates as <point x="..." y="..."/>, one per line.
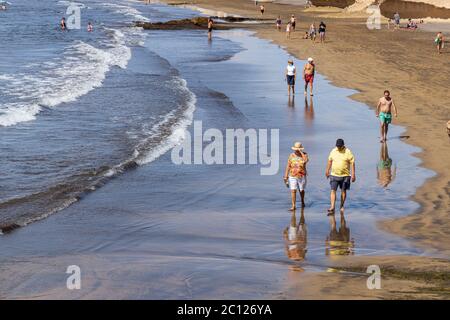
<point x="295" y="173"/>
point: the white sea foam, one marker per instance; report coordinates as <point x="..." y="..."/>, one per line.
<point x="82" y="69"/>
<point x="127" y="11"/>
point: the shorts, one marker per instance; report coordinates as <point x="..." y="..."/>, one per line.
<point x="309" y="78"/>
<point x="385" y="117"/>
<point x="342" y="182"/>
<point x="209" y="30"/>
<point x="297" y="183"/>
<point x="290" y="80"/>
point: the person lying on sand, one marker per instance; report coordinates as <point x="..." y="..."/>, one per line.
<point x="295" y="173"/>
<point x="339" y="161"/>
<point x="384" y="112"/>
<point x="308" y="75"/>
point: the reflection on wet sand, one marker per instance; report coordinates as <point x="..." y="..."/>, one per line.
<point x="385" y="173"/>
<point x="338" y="242"/>
<point x="309" y="110"/>
<point x="295" y="236"/>
<point x="291" y="102"/>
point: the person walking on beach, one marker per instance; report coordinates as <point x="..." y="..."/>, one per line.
<point x="63" y="24"/>
<point x="291" y="74"/>
<point x="210" y="28"/>
<point x="384" y="112"/>
<point x="322" y="30"/>
<point x="339" y="161"/>
<point x="308" y="75"/>
<point x="397" y="20"/>
<point x="295" y="173"/>
<point x="90" y="27"/>
<point x="439" y="41"/>
<point x="293" y="22"/>
<point x="288" y="30"/>
<point x="262" y="9"/>
<point x="312" y="32"/>
<point x="278" y="23"/>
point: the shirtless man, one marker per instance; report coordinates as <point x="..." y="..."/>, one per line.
<point x="210" y="28"/>
<point x="63" y="24"/>
<point x="384" y="112"/>
<point x="308" y="74"/>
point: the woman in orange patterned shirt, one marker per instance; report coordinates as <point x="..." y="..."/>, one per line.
<point x="295" y="173"/>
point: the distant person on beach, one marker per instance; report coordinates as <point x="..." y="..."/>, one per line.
<point x="210" y="28"/>
<point x="439" y="41"/>
<point x="339" y="161"/>
<point x="295" y="173"/>
<point x="288" y="30"/>
<point x="322" y="30"/>
<point x="293" y="22"/>
<point x="279" y="23"/>
<point x="90" y="27"/>
<point x="312" y="32"/>
<point x="291" y="74"/>
<point x="397" y="20"/>
<point x="411" y="24"/>
<point x="306" y="35"/>
<point x="384" y="169"/>
<point x="308" y="75"/>
<point x="262" y="9"/>
<point x="384" y="112"/>
<point x="256" y="2"/>
<point x="63" y="24"/>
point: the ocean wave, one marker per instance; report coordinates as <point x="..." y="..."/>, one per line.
<point x="82" y="69"/>
<point x="159" y="139"/>
<point x="127" y="11"/>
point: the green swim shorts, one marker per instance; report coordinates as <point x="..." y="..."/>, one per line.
<point x="385" y="117"/>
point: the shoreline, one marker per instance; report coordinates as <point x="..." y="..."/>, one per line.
<point x="426" y="226"/>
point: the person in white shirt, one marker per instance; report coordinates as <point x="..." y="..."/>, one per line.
<point x="291" y="74"/>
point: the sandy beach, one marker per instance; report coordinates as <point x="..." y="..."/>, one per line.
<point x="370" y="61"/>
<point x="112" y="201"/>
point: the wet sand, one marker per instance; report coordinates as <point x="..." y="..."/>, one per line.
<point x="371" y="61"/>
<point x="198" y="231"/>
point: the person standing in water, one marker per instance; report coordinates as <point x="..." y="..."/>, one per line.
<point x="291" y="74"/>
<point x="339" y="161"/>
<point x="439" y="41"/>
<point x="308" y="75"/>
<point x="384" y="112"/>
<point x="210" y="28"/>
<point x="322" y="30"/>
<point x="63" y="24"/>
<point x="90" y="27"/>
<point x="295" y="173"/>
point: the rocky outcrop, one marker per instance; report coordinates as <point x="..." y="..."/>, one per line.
<point x="194" y="23"/>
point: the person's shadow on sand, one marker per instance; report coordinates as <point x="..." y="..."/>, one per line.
<point x="338" y="242"/>
<point x="295" y="237"/>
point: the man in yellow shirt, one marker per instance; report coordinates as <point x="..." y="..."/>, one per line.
<point x="339" y="161"/>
